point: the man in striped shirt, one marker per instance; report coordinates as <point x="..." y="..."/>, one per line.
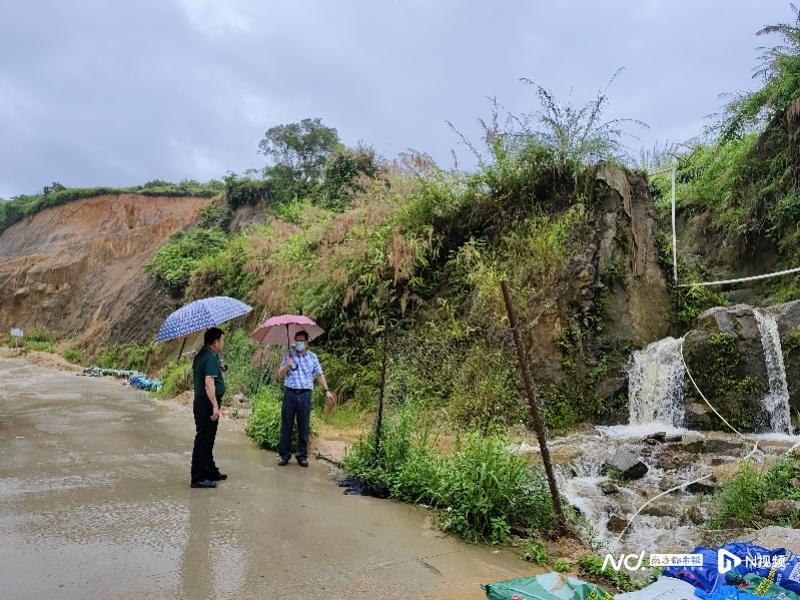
<point x="299" y="366"/>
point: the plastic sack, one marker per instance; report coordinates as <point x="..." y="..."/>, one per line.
<point x="708" y="577"/>
<point x="664" y="588"/>
<point x="550" y="586"/>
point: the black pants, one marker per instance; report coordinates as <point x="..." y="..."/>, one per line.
<point x="296" y="405"/>
<point x="203" y="466"/>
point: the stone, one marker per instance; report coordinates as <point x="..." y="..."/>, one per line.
<point x="660" y="436"/>
<point x="700" y="487"/>
<point x="775" y="537"/>
<point x="616" y="524"/>
<point x="796" y="483"/>
<point x="672" y="439"/>
<point x="661" y="509"/>
<point x="667" y="483"/>
<point x="714" y="446"/>
<point x="694" y="514"/>
<point x="627" y="463"/>
<point x="780" y="508"/>
<point x="608" y="488"/>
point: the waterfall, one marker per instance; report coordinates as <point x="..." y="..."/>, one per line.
<point x="776" y="400"/>
<point x="655" y="384"/>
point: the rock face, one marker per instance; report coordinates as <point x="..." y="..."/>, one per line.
<point x="613" y="296"/>
<point x="78" y="268"/>
<point x="726" y="357"/>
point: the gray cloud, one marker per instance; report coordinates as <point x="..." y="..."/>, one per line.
<point x="95" y="92"/>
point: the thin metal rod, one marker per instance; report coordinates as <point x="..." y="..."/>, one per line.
<point x="379" y="418"/>
<point x="183" y="345"/>
<point x="533" y="405"/>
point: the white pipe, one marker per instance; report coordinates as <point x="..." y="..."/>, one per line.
<point x="742" y="279"/>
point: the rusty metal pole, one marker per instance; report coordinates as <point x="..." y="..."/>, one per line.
<point x="534" y="409"/>
<point x="379" y="418"/>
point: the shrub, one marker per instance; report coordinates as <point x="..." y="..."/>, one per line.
<point x="264" y="425"/>
<point x="176" y="377"/>
<point x="743" y="496"/>
<point x="132" y="357"/>
<point x="38" y="346"/>
<point x="480" y="489"/>
<point x="592" y="566"/>
<point x="74" y="354"/>
<point x="175" y="261"/>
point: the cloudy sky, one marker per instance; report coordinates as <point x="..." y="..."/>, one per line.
<point x="100" y="92"/>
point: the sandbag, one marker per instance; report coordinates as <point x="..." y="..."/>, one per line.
<point x="550" y="586"/>
<point x="788" y="576"/>
<point x="664" y="588"/>
<point x="708" y="578"/>
<point x="754" y="582"/>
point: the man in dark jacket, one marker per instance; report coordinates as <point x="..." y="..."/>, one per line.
<point x="209" y="387"/>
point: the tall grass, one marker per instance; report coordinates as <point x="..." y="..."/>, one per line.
<point x="479" y="489"/>
<point x="744" y="495"/>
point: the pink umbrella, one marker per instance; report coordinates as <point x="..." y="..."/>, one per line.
<point x="280" y="330"/>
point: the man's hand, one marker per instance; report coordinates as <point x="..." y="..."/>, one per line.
<point x="289" y="363"/>
<point x="215" y="413"/>
<point x="330" y="401"/>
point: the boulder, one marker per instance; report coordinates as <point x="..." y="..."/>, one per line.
<point x="626" y="463"/>
<point x="725" y="356"/>
<point x="616" y="524"/>
<point x="701" y="487"/>
<point x="780" y="508"/>
<point x="775" y="537"/>
<point x="661" y="509"/>
<point x="714" y="446"/>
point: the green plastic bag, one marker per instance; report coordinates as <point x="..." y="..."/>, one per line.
<point x="550" y="586"/>
<point x="772" y="591"/>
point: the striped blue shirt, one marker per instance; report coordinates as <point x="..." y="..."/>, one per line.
<point x="305" y="367"/>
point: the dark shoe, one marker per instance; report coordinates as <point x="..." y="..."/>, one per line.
<point x="219" y="477"/>
<point x="302" y="462"/>
<point x="283" y="462"/>
<point x="204" y="483"/>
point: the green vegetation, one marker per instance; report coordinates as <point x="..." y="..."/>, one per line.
<point x="724" y="378"/>
<point x="74" y="354"/>
<point x="175" y="261"/>
<point x="592" y="566"/>
<point x="55" y="194"/>
<point x="128" y="357"/>
<point x="738" y="193"/>
<point x="479" y="489"/>
<point x="39" y="340"/>
<point x="743" y="496"/>
<point x="535" y="551"/>
<point x="264" y="425"/>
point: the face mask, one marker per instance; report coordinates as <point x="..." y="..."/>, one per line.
<point x="299" y="346"/>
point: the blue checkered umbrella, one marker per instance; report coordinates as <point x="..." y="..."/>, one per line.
<point x="200" y="315"/>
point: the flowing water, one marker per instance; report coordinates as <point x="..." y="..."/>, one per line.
<point x="776" y="400"/>
<point x="655" y="384"/>
<point x="656" y="404"/>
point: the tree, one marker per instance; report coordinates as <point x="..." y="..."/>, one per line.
<point x="301" y="148"/>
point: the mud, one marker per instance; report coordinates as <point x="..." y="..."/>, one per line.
<point x="95" y="503"/>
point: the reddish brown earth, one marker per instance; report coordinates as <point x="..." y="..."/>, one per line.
<point x="79" y="268"/>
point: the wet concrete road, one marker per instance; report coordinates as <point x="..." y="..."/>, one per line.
<point x="95" y="503"/>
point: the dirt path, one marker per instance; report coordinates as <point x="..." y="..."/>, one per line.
<point x="95" y="503"/>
